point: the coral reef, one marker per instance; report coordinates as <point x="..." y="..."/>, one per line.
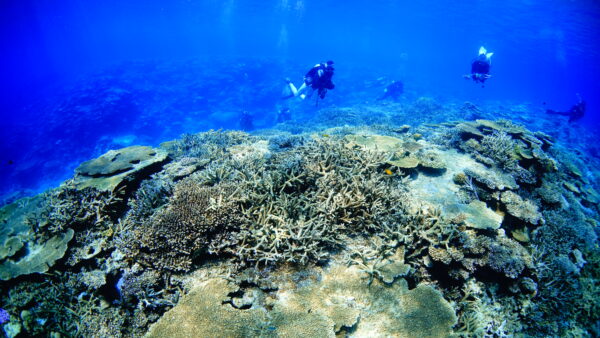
<point x="323" y="309"/>
<point x="38" y="258"/>
<point x="196" y="218"/>
<point x="118" y="168"/>
<point x="478" y="228"/>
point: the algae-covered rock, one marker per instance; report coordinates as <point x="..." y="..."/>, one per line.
<point x="432" y="161"/>
<point x="14" y="228"/>
<point x="412" y="146"/>
<point x="256" y="150"/>
<point x="394" y="267"/>
<point x="479" y="216"/>
<point x="184" y="167"/>
<point x="521" y="235"/>
<point x="469" y="129"/>
<point x="525" y="153"/>
<point x="119" y="167"/>
<point x="492" y="179"/>
<point x="405" y="162"/>
<point x="571" y="187"/>
<point x="591" y="195"/>
<point x="489" y="125"/>
<point x="374" y="142"/>
<point x="39" y="257"/>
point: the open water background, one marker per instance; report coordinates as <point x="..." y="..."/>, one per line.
<point x="73" y="72"/>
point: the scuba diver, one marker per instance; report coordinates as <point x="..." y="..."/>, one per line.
<point x="480" y="67"/>
<point x="283" y="115"/>
<point x="575" y="113"/>
<point x="393" y="90"/>
<point x="318" y="78"/>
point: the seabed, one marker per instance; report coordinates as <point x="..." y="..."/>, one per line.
<point x="462" y="228"/>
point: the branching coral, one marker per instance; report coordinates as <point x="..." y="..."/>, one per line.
<point x="68" y="207"/>
<point x="210" y="145"/>
<point x="194" y="217"/>
<point x="499" y="146"/>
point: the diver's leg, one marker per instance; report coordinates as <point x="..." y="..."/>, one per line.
<point x="301" y="91"/>
<point x="293" y="88"/>
<point x="550" y="111"/>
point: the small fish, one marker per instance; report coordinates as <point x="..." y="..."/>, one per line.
<point x="325" y="135"/>
<point x="388" y="171"/>
<point x="10" y="162"/>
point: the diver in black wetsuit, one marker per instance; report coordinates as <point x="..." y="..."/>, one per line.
<point x="575" y="113"/>
<point x="393" y="91"/>
<point x="318" y="78"/>
<point x="480" y="67"/>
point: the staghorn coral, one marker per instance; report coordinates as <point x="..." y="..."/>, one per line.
<point x="208" y="145"/>
<point x="79" y="209"/>
<point x="298" y="210"/>
<point x="499" y="146"/>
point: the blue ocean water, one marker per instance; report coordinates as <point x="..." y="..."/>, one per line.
<point x="81" y="77"/>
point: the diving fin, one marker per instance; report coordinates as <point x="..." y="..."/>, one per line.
<point x="482" y="50"/>
<point x="488" y="55"/>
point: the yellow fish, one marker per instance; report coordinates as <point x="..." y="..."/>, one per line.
<point x="388" y="171"/>
<point x="325" y="135"/>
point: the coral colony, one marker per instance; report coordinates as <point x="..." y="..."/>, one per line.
<point x="4" y="316"/>
<point x="478" y="228"/>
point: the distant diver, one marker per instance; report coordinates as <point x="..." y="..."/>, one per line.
<point x="575" y="113"/>
<point x="246" y="121"/>
<point x="393" y="91"/>
<point x="480" y="67"/>
<point x="283" y="115"/>
<point x="318" y="78"/>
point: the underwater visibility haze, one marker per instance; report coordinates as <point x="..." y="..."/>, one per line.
<point x="160" y="174"/>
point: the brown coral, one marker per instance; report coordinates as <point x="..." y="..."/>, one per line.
<point x="195" y="218"/>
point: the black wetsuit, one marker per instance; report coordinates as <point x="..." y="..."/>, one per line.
<point x="480" y="68"/>
<point x="320" y="83"/>
<point x="575" y="113"/>
<point x="394" y="90"/>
